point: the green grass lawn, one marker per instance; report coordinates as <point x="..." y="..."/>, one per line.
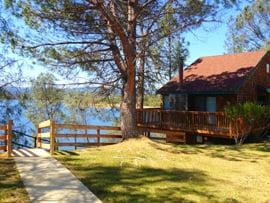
<point x="141" y="170"/>
<point x="11" y="186"/>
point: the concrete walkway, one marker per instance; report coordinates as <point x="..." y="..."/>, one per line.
<point x="47" y="180"/>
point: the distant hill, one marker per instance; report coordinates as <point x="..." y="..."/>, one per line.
<point x="21" y="90"/>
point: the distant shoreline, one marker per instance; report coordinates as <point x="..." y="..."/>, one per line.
<point x="117" y="106"/>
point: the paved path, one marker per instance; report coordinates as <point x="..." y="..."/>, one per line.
<point x="47" y="180"/>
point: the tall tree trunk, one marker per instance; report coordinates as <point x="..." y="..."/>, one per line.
<point x="126" y="64"/>
<point x="170" y="57"/>
<point x="140" y="83"/>
<point x="128" y="104"/>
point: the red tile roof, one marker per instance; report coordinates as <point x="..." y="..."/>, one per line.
<point x="212" y="74"/>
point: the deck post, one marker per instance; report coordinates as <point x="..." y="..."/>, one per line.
<point x="160" y="119"/>
<point x="230" y="129"/>
<point x="9" y="138"/>
<point x="52" y="137"/>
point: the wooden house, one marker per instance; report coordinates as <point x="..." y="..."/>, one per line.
<point x="194" y="100"/>
<point x="210" y="83"/>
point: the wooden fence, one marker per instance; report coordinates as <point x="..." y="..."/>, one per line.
<point x="51" y="130"/>
<point x="6" y="138"/>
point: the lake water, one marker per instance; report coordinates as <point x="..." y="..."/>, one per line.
<point x="101" y="116"/>
<point x="92" y="116"/>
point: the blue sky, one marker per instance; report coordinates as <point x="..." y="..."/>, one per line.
<point x="210" y="38"/>
<point x="203" y="43"/>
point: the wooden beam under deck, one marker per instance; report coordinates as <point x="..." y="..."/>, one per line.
<point x="206" y="132"/>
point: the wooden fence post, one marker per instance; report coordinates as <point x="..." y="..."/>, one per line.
<point x="52" y="137"/>
<point x="98" y="137"/>
<point x="75" y="139"/>
<point x="9" y="138"/>
<point x="38" y="140"/>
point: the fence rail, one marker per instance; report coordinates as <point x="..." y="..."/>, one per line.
<point x="6" y="138"/>
<point x="55" y="136"/>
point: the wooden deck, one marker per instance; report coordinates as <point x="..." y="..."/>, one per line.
<point x="203" y="123"/>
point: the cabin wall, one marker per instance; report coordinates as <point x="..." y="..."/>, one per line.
<point x="259" y="77"/>
<point x="198" y="102"/>
<point x="174" y="102"/>
<point x="224" y="100"/>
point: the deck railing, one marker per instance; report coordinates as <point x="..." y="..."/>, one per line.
<point x="216" y="123"/>
<point x="189" y="121"/>
<point x="64" y="135"/>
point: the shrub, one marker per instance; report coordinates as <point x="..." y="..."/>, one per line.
<point x="246" y="117"/>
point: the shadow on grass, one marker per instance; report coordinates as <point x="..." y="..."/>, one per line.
<point x="132" y="184"/>
<point x="261" y="147"/>
<point x="73" y="153"/>
<point x="246" y="152"/>
<point x="11" y="187"/>
<point x="7" y="173"/>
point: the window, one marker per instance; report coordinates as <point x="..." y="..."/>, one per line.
<point x="268" y="71"/>
<point x="181" y="102"/>
<point x="175" y="102"/>
<point x="211" y="104"/>
<point x="166" y="102"/>
<point x="172" y="101"/>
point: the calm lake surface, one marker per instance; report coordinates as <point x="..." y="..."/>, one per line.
<point x="92" y="116"/>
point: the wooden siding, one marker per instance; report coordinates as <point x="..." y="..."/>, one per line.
<point x="224" y="100"/>
<point x="248" y="92"/>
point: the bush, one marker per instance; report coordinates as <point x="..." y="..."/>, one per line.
<point x="245" y="118"/>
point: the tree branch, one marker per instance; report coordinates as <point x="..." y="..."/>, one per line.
<point x="67" y="43"/>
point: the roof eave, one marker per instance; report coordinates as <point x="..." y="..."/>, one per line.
<point x="199" y="92"/>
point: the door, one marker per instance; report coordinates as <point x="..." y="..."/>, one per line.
<point x="211" y="106"/>
<point x="199" y="103"/>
